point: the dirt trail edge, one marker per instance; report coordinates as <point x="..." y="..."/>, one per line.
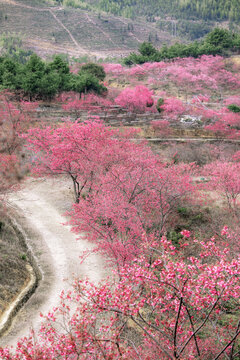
<point x="40" y="204"/>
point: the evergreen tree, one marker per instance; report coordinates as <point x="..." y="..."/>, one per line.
<point x="93" y="69"/>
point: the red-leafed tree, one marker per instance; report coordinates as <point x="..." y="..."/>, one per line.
<point x="164" y="301"/>
<point x="236" y="156"/>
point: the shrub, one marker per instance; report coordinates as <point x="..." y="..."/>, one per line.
<point x="93" y="69"/>
<point x="234" y="108"/>
<point x="160" y="102"/>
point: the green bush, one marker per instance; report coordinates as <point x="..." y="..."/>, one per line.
<point x="160" y="102"/>
<point x="23" y="257"/>
<point x="86" y="82"/>
<point x="174" y="237"/>
<point x="183" y="211"/>
<point x="234" y="108"/>
<point x="93" y="69"/>
<point x="220" y="37"/>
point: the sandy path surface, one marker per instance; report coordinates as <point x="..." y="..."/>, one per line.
<point x="40" y="204"/>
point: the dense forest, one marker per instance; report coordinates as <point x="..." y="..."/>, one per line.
<point x="194" y="9"/>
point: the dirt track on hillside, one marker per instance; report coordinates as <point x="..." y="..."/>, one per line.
<point x="40" y="204"/>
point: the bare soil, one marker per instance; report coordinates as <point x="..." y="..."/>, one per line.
<point x="40" y="204"/>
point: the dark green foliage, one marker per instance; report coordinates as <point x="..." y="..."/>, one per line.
<point x="33" y="73"/>
<point x="234" y="108"/>
<point x="183" y="211"/>
<point x="174" y="237"/>
<point x="210" y="9"/>
<point x="134" y="58"/>
<point x="49" y="85"/>
<point x="216" y="42"/>
<point x="41" y="80"/>
<point x="182" y="9"/>
<point x="11" y="47"/>
<point x="86" y="82"/>
<point x="160" y="102"/>
<point x="9" y="65"/>
<point x="147" y="49"/>
<point x="192" y="217"/>
<point x="93" y="69"/>
<point x="60" y="65"/>
<point x="192" y="29"/>
<point x="23" y="257"/>
<point x="220" y="37"/>
<point x="35" y="65"/>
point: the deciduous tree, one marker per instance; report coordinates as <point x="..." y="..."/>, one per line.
<point x="224" y="177"/>
<point x="138" y="99"/>
<point x="165" y="309"/>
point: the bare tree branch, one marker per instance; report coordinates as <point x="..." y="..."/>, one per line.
<point x="228" y="344"/>
<point x="175" y="328"/>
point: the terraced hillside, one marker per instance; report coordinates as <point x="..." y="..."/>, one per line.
<point x="48" y="30"/>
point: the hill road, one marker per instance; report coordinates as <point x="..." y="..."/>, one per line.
<point x="40" y="204"/>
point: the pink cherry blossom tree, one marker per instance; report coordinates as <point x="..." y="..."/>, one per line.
<point x="225" y="179"/>
<point x="14" y="119"/>
<point x="165" y="309"/>
<point x="139" y="99"/>
<point x="121" y="187"/>
<point x="90" y="103"/>
<point x="161" y="128"/>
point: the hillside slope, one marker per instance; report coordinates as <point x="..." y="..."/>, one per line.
<point x="216" y="10"/>
<point x="55" y="29"/>
<point x="108" y="28"/>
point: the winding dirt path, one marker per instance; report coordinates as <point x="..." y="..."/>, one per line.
<point x="40" y="204"/>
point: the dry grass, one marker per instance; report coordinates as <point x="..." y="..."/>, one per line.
<point x="13" y="260"/>
<point x="236" y="59"/>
